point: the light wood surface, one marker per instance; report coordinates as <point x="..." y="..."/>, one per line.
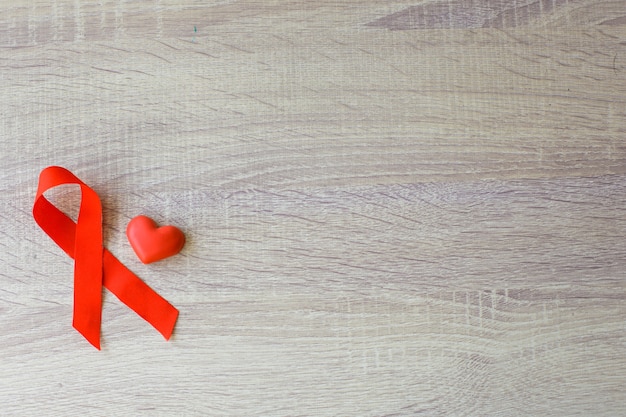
<point x="391" y="208"/>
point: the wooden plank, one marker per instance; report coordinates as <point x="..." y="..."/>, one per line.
<point x="391" y="208"/>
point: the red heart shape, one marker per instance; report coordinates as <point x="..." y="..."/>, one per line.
<point x="152" y="243"/>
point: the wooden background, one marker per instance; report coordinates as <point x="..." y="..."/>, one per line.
<point x="393" y="208"/>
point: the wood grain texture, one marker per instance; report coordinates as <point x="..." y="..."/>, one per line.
<point x="391" y="208"/>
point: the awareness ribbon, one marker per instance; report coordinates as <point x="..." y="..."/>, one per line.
<point x="94" y="265"/>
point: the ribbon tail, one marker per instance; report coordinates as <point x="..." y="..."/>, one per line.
<point x="138" y="296"/>
<point x="88" y="271"/>
<point x="90" y="329"/>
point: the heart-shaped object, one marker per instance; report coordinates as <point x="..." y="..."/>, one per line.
<point x="152" y="243"/>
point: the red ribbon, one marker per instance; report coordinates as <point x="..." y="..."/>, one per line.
<point x="95" y="266"/>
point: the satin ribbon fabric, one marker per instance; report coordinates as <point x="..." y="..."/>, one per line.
<point x="94" y="265"/>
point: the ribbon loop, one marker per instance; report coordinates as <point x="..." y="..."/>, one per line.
<point x="95" y="266"/>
